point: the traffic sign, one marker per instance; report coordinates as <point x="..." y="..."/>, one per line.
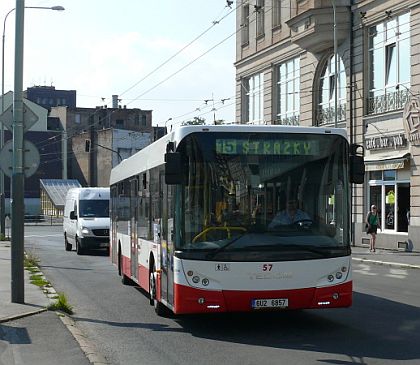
<point x="29" y="117"/>
<point x="31" y="158"/>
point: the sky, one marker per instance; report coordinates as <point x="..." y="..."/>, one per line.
<point x="174" y="57"/>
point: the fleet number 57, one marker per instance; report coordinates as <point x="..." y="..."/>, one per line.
<point x="267" y="267"/>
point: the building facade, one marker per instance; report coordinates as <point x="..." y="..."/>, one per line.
<point x="49" y="96"/>
<point x="351" y="64"/>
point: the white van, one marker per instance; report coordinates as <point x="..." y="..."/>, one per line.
<point x="86" y="219"/>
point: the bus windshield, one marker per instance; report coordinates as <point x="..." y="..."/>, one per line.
<point x="264" y="191"/>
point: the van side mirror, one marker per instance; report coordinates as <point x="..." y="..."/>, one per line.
<point x="173" y="168"/>
<point x="73" y="215"/>
<point x="357" y="164"/>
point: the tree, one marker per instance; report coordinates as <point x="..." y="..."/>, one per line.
<point x="195" y="121"/>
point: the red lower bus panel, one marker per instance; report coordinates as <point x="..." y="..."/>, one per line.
<point x="188" y="299"/>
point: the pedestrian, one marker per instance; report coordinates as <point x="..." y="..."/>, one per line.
<point x="372" y="225"/>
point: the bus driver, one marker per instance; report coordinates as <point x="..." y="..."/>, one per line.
<point x="289" y="216"/>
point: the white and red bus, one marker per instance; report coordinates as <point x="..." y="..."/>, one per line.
<point x="197" y="218"/>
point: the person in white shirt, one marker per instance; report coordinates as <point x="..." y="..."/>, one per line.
<point x="289" y="216"/>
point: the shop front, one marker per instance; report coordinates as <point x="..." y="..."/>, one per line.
<point x="391" y="162"/>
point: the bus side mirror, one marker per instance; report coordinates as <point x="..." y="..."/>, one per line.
<point x="357" y="164"/>
<point x="173" y="168"/>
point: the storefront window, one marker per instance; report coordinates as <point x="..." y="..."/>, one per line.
<point x="392" y="197"/>
<point x="389" y="207"/>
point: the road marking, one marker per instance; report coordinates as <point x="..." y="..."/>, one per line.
<point x="44" y="235"/>
<point x="365" y="270"/>
<point x="397" y="273"/>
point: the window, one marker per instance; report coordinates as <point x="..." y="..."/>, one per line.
<point x="119" y="123"/>
<point x="288" y="91"/>
<point x="389" y="64"/>
<point x="259" y="10"/>
<point x="245" y="24"/>
<point x="276" y="13"/>
<point x="326" y="106"/>
<point x="392" y="197"/>
<point x="254" y="98"/>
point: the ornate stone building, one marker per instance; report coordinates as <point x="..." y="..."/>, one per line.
<point x="351" y="64"/>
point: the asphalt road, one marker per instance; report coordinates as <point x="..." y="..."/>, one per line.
<point x="382" y="327"/>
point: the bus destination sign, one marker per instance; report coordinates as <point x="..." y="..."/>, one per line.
<point x="293" y="147"/>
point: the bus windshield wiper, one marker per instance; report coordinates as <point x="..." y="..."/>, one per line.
<point x="222" y="248"/>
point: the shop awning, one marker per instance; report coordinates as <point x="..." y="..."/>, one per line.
<point x="386" y="161"/>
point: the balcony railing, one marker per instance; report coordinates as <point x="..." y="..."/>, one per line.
<point x="388" y="102"/>
<point x="293" y="120"/>
<point x="326" y="115"/>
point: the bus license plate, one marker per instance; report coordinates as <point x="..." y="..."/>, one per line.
<point x="270" y="303"/>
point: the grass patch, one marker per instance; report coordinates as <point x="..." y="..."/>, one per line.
<point x="4" y="237"/>
<point x="39" y="280"/>
<point x="33" y="269"/>
<point x="30" y="260"/>
<point x="61" y="304"/>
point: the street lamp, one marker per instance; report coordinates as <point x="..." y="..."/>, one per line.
<point x="58" y="8"/>
<point x="17" y="181"/>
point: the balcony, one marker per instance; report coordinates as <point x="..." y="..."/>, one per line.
<point x="292" y="120"/>
<point x="326" y="115"/>
<point x="312" y="28"/>
<point x="388" y="102"/>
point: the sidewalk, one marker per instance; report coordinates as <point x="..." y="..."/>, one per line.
<point x="29" y="334"/>
<point x="394" y="258"/>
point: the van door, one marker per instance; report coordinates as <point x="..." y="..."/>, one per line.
<point x="134" y="189"/>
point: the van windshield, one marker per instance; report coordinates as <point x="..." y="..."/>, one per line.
<point x="94" y="208"/>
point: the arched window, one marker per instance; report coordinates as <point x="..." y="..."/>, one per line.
<point x="326" y="102"/>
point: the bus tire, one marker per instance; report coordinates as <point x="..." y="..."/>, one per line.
<point x="159" y="307"/>
<point x="67" y="245"/>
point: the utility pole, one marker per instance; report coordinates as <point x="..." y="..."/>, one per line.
<point x="18" y="211"/>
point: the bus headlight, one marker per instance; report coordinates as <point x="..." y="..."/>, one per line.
<point x="195" y="279"/>
<point x="330" y="277"/>
<point x="338" y="274"/>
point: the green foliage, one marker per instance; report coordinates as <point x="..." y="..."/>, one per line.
<point x="3" y="237"/>
<point x="39" y="280"/>
<point x="195" y="121"/>
<point x="30" y="260"/>
<point x="61" y="304"/>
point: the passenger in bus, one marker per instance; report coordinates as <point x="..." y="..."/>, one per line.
<point x="289" y="216"/>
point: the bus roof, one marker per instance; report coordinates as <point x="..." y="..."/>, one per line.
<point x="153" y="155"/>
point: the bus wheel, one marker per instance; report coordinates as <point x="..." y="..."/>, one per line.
<point x="159" y="307"/>
<point x="67" y="245"/>
<point x="79" y="249"/>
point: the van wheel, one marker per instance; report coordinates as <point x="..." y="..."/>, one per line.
<point x="67" y="245"/>
<point x="79" y="249"/>
<point x="160" y="309"/>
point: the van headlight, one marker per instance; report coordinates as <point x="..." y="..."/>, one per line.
<point x="85" y="230"/>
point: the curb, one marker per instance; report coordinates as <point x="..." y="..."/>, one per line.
<point x="86" y="346"/>
<point x="22" y="315"/>
<point x="387" y="263"/>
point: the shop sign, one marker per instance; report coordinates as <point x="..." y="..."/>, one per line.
<point x="383" y="142"/>
<point x="412" y="120"/>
